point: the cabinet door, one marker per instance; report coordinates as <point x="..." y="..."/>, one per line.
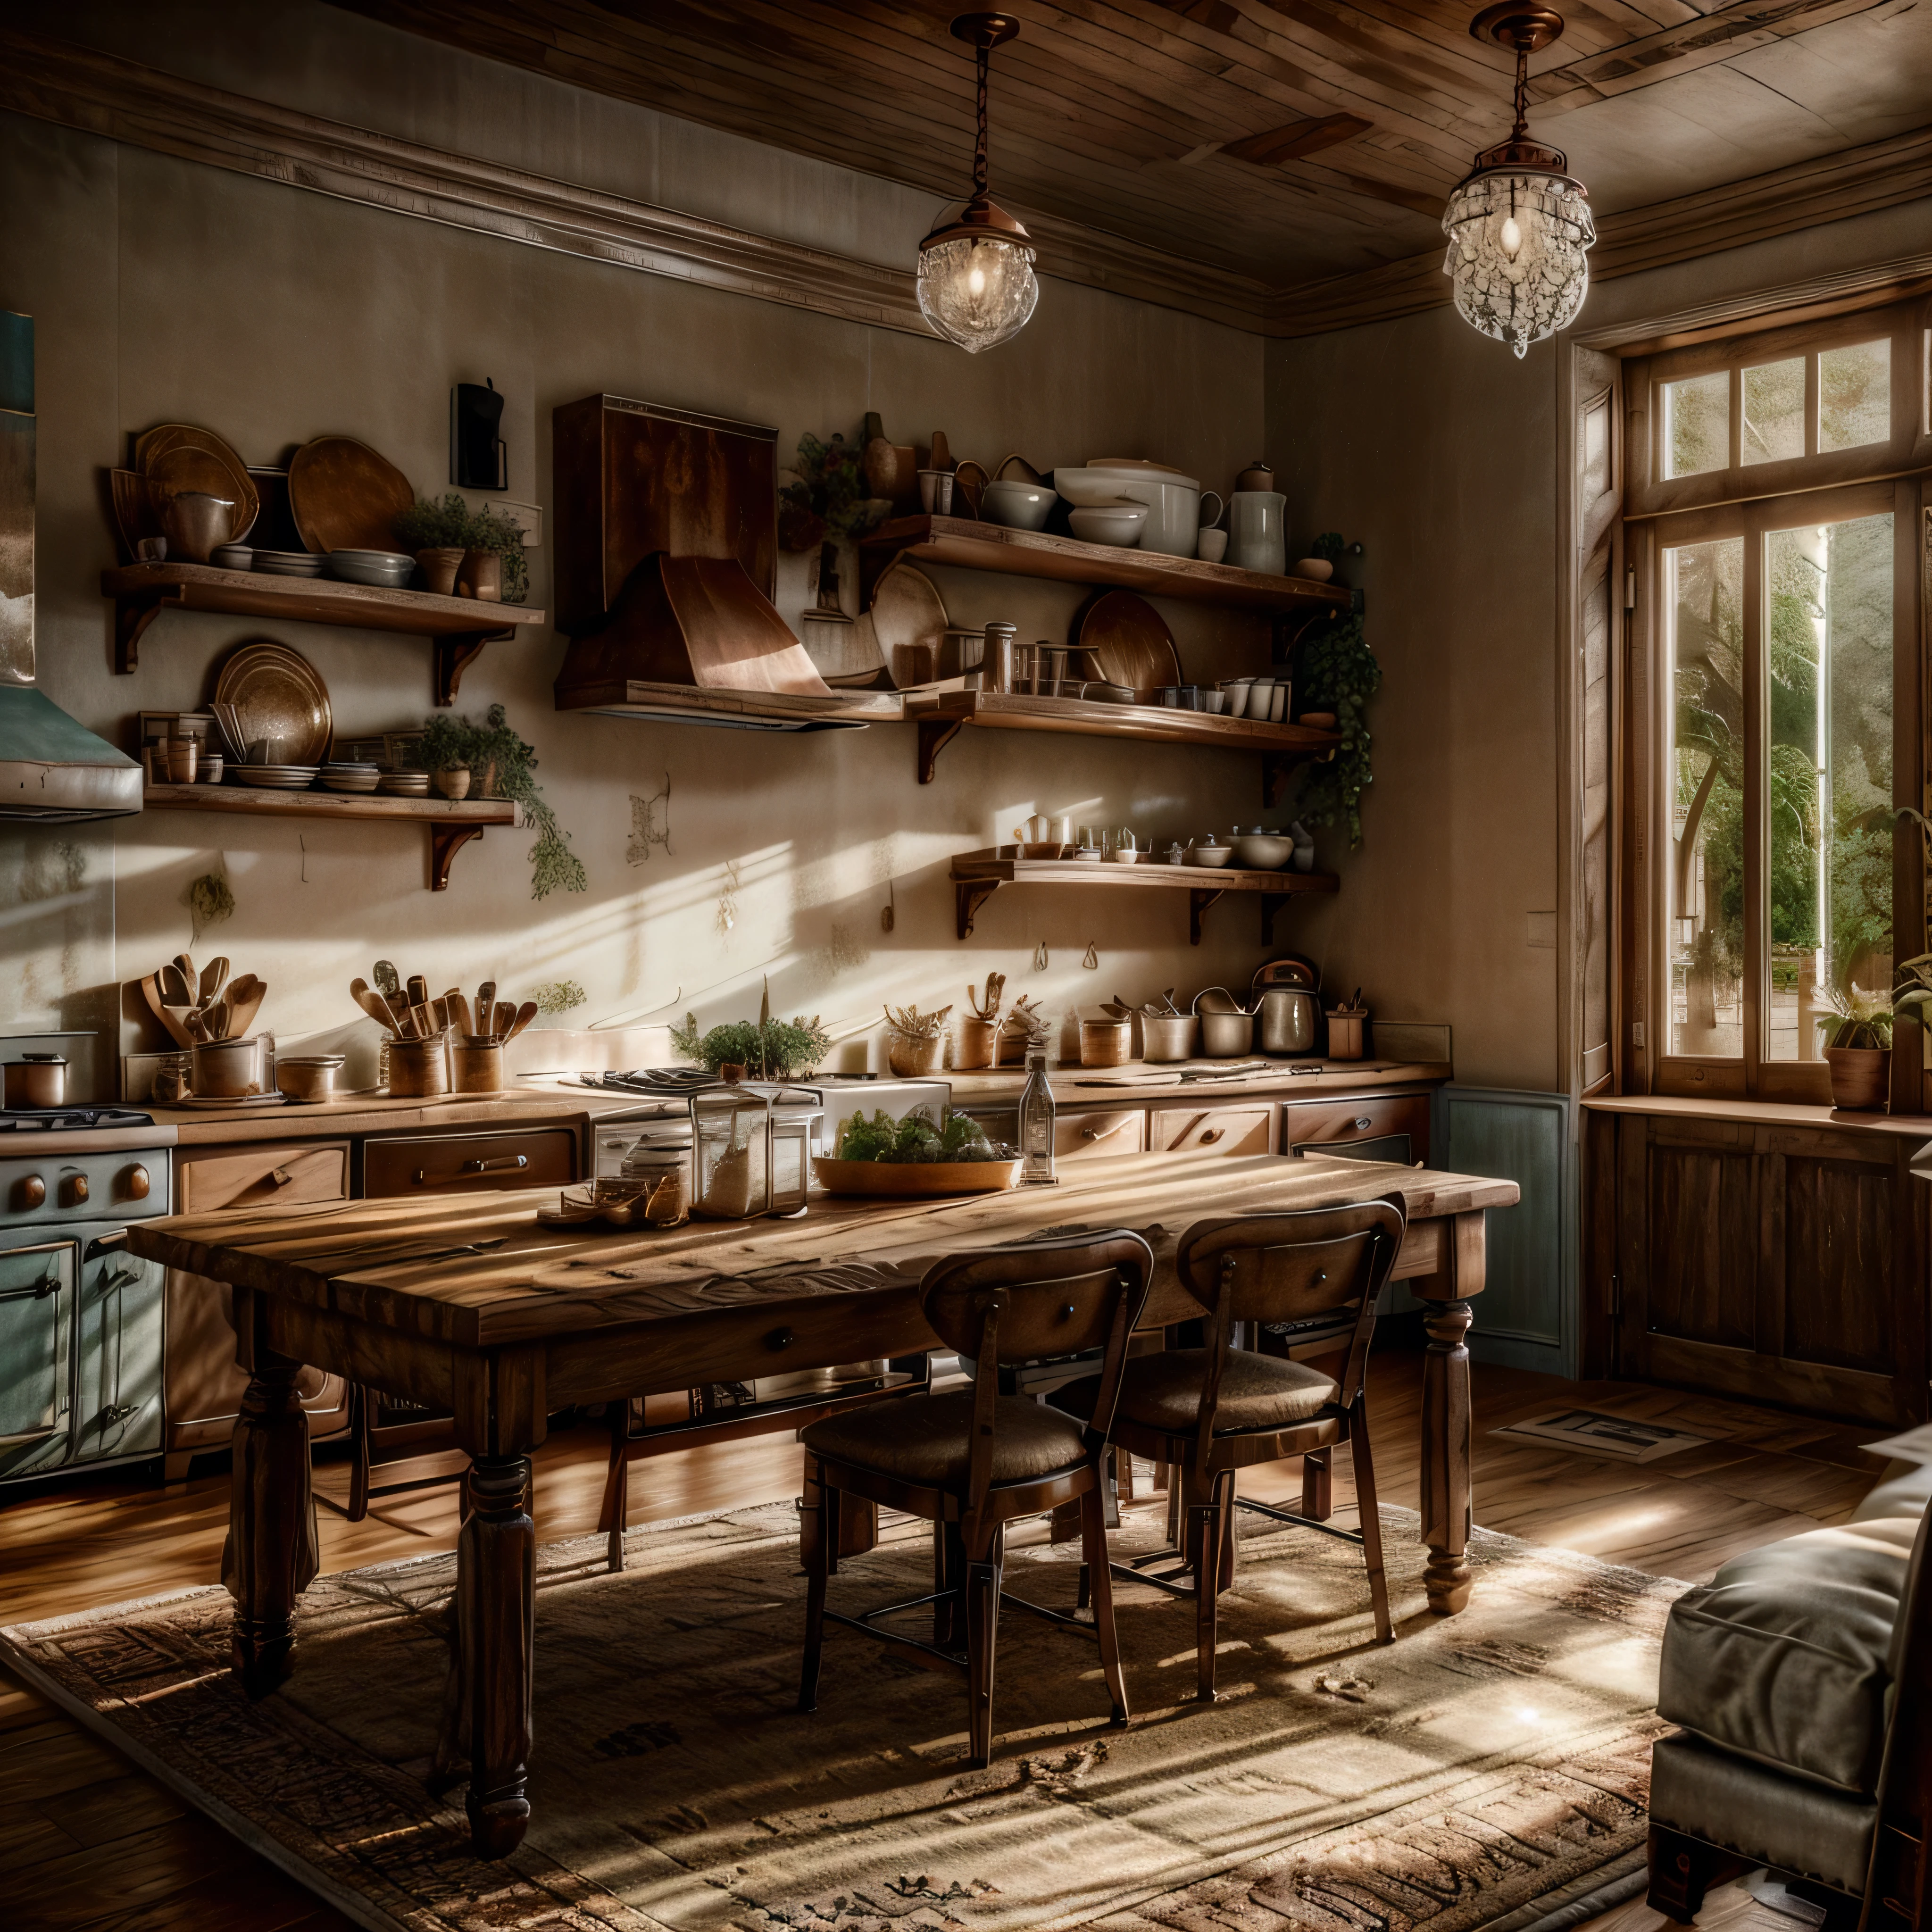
<point x="1213" y="1130"/>
<point x="1086" y="1135"/>
<point x="37" y="1292"/>
<point x="118" y="1365"/>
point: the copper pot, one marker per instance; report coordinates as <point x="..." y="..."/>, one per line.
<point x="37" y="1080"/>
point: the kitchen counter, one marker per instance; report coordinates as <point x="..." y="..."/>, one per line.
<point x="375" y="1114"/>
<point x="1137" y="1081"/>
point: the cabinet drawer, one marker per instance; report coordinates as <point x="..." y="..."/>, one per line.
<point x="264" y="1176"/>
<point x="1214" y="1129"/>
<point x="1083" y="1136"/>
<point x="469" y="1163"/>
<point x="1397" y="1123"/>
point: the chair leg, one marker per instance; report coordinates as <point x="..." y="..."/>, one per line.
<point x="1371" y="1519"/>
<point x="1224" y="1496"/>
<point x="949" y="1561"/>
<point x="1318" y="1484"/>
<point x="982" y="1630"/>
<point x="614" y="1518"/>
<point x="1681" y="1870"/>
<point x="1094" y="1574"/>
<point x="1204" y="1537"/>
<point x="818" y="1567"/>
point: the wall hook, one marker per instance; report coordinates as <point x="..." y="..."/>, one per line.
<point x="1039" y="957"/>
<point x="1092" y="961"/>
<point x="888" y="913"/>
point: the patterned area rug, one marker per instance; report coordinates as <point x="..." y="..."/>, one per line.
<point x="1483" y="1769"/>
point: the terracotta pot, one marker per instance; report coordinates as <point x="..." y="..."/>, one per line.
<point x="439" y="567"/>
<point x="1861" y="1077"/>
<point x="481" y="577"/>
<point x="453" y="785"/>
<point x="910" y="1059"/>
<point x="976" y="1044"/>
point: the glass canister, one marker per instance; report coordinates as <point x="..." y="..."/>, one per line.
<point x="728" y="1144"/>
<point x="795" y="1117"/>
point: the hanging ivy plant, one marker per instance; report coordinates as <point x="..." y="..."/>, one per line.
<point x="1336" y="671"/>
<point x="501" y="765"/>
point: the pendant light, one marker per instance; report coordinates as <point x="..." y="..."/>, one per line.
<point x="976" y="286"/>
<point x="1518" y="224"/>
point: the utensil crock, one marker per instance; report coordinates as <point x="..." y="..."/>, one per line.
<point x="418" y="1068"/>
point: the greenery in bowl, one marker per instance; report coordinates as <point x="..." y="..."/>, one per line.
<point x="916" y="1141"/>
<point x="501" y="765"/>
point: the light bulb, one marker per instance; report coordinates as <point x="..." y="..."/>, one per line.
<point x="976" y="282"/>
<point x="1511" y="237"/>
<point x="977" y="292"/>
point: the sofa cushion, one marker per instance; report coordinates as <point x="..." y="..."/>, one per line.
<point x="1774" y="1820"/>
<point x="1899" y="1495"/>
<point x="1785" y="1656"/>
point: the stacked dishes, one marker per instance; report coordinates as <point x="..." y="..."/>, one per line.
<point x="277" y="777"/>
<point x="350" y="778"/>
<point x="1173" y="501"/>
<point x="289" y="563"/>
<point x="405" y="784"/>
<point x="388" y="570"/>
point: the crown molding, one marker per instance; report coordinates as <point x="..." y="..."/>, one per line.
<point x="1831" y="188"/>
<point x="122" y="100"/>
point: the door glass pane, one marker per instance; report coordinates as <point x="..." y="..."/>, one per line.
<point x="1697" y="425"/>
<point x="1829" y="600"/>
<point x="1855" y="395"/>
<point x="1774" y="425"/>
<point x="1704" y="604"/>
<point x="1596" y="879"/>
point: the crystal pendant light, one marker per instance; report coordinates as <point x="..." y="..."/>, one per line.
<point x="976" y="286"/>
<point x="1518" y="224"/>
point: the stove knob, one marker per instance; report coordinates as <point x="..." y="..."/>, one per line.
<point x="33" y="1192"/>
<point x="76" y="1190"/>
<point x="137" y="1183"/>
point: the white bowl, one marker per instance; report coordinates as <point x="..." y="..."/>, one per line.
<point x="1119" y="524"/>
<point x="1208" y="855"/>
<point x="1316" y="569"/>
<point x="1262" y="852"/>
<point x="1093" y="487"/>
<point x="1019" y="506"/>
<point x="1136" y="465"/>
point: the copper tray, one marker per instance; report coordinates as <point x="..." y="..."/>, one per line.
<point x="1128" y="642"/>
<point x="177" y="456"/>
<point x="276" y="694"/>
<point x="346" y="496"/>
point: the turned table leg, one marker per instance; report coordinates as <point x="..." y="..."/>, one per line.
<point x="496" y="1592"/>
<point x="270" y="1557"/>
<point x="1447" y="1413"/>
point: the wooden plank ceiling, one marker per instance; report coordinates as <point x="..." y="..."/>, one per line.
<point x="1288" y="141"/>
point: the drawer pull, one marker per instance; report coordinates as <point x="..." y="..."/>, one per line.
<point x="1363" y="1122"/>
<point x="515" y="1162"/>
<point x="1097" y="1133"/>
<point x="1211" y="1136"/>
<point x="780" y="1338"/>
<point x="280" y="1177"/>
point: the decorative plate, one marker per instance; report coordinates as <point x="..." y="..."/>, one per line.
<point x="276" y="694"/>
<point x="1129" y="643"/>
<point x="346" y="496"/>
<point x="175" y="457"/>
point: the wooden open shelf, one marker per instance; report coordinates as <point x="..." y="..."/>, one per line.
<point x="746" y="710"/>
<point x="450" y="826"/>
<point x="459" y="627"/>
<point x="968" y="545"/>
<point x="977" y="876"/>
<point x="1283" y="747"/>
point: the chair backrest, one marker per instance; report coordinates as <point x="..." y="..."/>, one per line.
<point x="1290" y="1268"/>
<point x="1031" y="1300"/>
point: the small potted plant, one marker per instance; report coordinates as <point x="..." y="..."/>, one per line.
<point x="494" y="569"/>
<point x="1858" y="1048"/>
<point x="914" y="1041"/>
<point x="499" y="764"/>
<point x="439" y="535"/>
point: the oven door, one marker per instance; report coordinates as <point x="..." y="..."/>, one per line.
<point x="117" y="1404"/>
<point x="37" y="1297"/>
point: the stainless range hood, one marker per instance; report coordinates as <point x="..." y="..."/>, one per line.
<point x="51" y="768"/>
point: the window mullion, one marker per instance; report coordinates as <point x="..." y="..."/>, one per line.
<point x="1757" y="841"/>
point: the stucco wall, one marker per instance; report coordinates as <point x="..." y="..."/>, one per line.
<point x="165" y="291"/>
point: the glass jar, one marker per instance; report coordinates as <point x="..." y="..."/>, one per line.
<point x="728" y="1140"/>
<point x="796" y="1118"/>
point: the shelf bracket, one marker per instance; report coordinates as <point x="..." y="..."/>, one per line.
<point x="1271" y="904"/>
<point x="934" y="735"/>
<point x="132" y="616"/>
<point x="1198" y="901"/>
<point x="453" y="656"/>
<point x="969" y="895"/>
<point x="444" y="842"/>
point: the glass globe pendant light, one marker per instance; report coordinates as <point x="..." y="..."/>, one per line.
<point x="976" y="286"/>
<point x="1518" y="224"/>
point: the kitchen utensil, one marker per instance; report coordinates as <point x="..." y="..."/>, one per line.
<point x="372" y="1003"/>
<point x="193" y="523"/>
<point x="307" y="1076"/>
<point x="1018" y="506"/>
<point x="459" y="1009"/>
<point x="36" y="1080"/>
<point x="1289" y="1017"/>
<point x="1227" y="1027"/>
<point x="486" y="1000"/>
<point x="346" y="496"/>
<point x="197" y="1029"/>
<point x="418" y="987"/>
<point x="1256" y="535"/>
<point x="151" y="991"/>
<point x="1119" y="525"/>
<point x="183" y="989"/>
<point x="1167" y="1036"/>
<point x="1262" y="851"/>
<point x="503" y="1018"/>
<point x="214" y="977"/>
<point x="275" y="693"/>
<point x="175" y="457"/>
<point x="527" y="1013"/>
<point x="1128" y="643"/>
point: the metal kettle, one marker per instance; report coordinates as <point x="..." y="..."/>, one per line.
<point x="1289" y="1010"/>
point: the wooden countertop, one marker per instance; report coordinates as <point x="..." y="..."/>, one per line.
<point x="374" y="1114"/>
<point x="1138" y="1083"/>
<point x="1764" y="1113"/>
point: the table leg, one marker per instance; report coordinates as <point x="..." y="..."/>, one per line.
<point x="270" y="1556"/>
<point x="496" y="1590"/>
<point x="1445" y="1455"/>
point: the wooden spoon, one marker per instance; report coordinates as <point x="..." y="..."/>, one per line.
<point x="191" y="979"/>
<point x="214" y="977"/>
<point x="459" y="1008"/>
<point x="527" y="1013"/>
<point x="175" y="990"/>
<point x="151" y="991"/>
<point x="486" y="999"/>
<point x="242" y="1002"/>
<point x="418" y="990"/>
<point x="505" y="1018"/>
<point x="372" y="1003"/>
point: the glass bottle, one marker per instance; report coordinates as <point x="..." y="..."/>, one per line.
<point x="1036" y="1112"/>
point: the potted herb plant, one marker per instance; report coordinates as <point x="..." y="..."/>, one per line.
<point x="438" y="533"/>
<point x="1858" y="1048"/>
<point x="494" y="567"/>
<point x="500" y="765"/>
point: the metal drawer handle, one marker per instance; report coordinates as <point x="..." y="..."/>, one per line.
<point x="516" y="1163"/>
<point x="280" y="1176"/>
<point x="1363" y="1120"/>
<point x="1213" y="1135"/>
<point x="38" y="1290"/>
<point x="1097" y="1133"/>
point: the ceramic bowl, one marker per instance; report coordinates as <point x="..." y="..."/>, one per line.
<point x="231" y="556"/>
<point x="1094" y="487"/>
<point x="1208" y="855"/>
<point x="386" y="572"/>
<point x="289" y="563"/>
<point x="1262" y="852"/>
<point x="1129" y="857"/>
<point x="1019" y="506"/>
<point x="1316" y="569"/>
<point x="1119" y="524"/>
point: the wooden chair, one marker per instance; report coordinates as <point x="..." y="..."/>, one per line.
<point x="1209" y="1412"/>
<point x="971" y="1461"/>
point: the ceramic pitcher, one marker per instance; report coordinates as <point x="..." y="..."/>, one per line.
<point x="1256" y="534"/>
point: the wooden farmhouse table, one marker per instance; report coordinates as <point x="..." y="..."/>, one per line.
<point x="471" y="1305"/>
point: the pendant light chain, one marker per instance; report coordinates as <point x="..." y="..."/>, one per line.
<point x="979" y="150"/>
<point x="1521" y="131"/>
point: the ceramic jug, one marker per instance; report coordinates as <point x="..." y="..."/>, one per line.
<point x="1256" y="533"/>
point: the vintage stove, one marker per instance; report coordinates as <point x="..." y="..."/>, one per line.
<point x="80" y="1317"/>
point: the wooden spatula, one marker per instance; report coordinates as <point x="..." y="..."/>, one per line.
<point x="175" y="990"/>
<point x="486" y="999"/>
<point x="169" y="1016"/>
<point x="418" y="990"/>
<point x="214" y="977"/>
<point x="524" y="1014"/>
<point x="503" y="1019"/>
<point x="372" y="1003"/>
<point x="241" y="1004"/>
<point x="459" y="1011"/>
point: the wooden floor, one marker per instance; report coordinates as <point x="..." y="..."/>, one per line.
<point x="89" y="1844"/>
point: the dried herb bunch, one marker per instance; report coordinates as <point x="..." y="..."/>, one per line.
<point x="910" y="1024"/>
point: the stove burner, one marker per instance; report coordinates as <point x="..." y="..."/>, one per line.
<point x="71" y="1120"/>
<point x="676" y="1082"/>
